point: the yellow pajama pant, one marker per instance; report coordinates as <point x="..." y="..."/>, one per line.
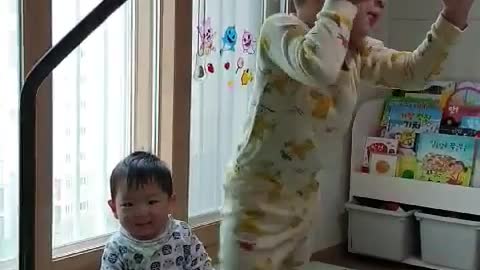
<point x="266" y="225"/>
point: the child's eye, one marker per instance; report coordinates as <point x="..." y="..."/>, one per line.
<point x="127" y="204"/>
<point x="153" y="202"/>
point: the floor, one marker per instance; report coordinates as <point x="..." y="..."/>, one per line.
<point x="339" y="256"/>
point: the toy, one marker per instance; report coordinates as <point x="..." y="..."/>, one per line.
<point x="464" y="101"/>
<point x="453" y="114"/>
<point x="445" y="158"/>
<point x="406" y="166"/>
<point x="378" y="145"/>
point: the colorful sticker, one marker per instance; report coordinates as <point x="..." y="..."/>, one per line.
<point x="229" y="39"/>
<point x="230" y="85"/>
<point x="247" y="77"/>
<point x="210" y="68"/>
<point x="199" y="72"/>
<point x="248" y="42"/>
<point x="227" y="65"/>
<point x="240" y="64"/>
<point x="206" y="34"/>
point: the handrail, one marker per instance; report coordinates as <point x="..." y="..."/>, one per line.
<point x="28" y="154"/>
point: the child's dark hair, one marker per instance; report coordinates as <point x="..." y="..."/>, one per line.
<point x="141" y="168"/>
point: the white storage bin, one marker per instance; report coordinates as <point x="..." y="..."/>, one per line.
<point x="449" y="242"/>
<point x="381" y="233"/>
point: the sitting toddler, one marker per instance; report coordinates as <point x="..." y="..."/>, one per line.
<point x="149" y="238"/>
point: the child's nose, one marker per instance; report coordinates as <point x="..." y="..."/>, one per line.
<point x="142" y="210"/>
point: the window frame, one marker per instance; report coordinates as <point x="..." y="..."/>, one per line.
<point x="36" y="39"/>
<point x="173" y="50"/>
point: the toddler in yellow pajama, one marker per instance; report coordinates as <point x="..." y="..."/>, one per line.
<point x="308" y="72"/>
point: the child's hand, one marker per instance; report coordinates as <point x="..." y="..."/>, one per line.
<point x="456" y="11"/>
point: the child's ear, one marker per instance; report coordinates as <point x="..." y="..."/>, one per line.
<point x="113" y="207"/>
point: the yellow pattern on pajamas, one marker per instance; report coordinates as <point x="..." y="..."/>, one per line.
<point x="305" y="94"/>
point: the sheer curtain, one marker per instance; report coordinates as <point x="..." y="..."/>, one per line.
<point x="223" y="53"/>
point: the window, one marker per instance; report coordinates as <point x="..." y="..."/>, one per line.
<point x="58" y="189"/>
<point x="220" y="100"/>
<point x="58" y="215"/>
<point x="84" y="206"/>
<point x="103" y="100"/>
<point x="2" y="200"/>
<point x="83" y="180"/>
<point x="94" y="83"/>
<point x="2" y="227"/>
<point x="9" y="95"/>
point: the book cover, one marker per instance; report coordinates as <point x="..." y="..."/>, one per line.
<point x="476" y="166"/>
<point x="383" y="164"/>
<point x="409" y="102"/>
<point x="470" y="122"/>
<point x="445" y="158"/>
<point x="417" y="117"/>
<point x="378" y="145"/>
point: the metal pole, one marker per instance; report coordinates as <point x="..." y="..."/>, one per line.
<point x="28" y="154"/>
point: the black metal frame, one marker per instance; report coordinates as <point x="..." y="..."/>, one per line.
<point x="28" y="154"/>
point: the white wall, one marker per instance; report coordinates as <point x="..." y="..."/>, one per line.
<point x="404" y="26"/>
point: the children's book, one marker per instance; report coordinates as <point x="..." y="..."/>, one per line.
<point x="470" y="122"/>
<point x="417" y="117"/>
<point x="383" y="164"/>
<point x="466" y="93"/>
<point x="445" y="158"/>
<point x="476" y="166"/>
<point x="395" y="106"/>
<point x="378" y="145"/>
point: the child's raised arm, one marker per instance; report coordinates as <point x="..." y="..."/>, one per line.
<point x="312" y="57"/>
<point x="410" y="70"/>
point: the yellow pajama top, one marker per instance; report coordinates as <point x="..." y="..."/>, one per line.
<point x="305" y="93"/>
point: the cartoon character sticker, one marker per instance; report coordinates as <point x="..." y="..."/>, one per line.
<point x="206" y="34"/>
<point x="229" y="39"/>
<point x="247" y="77"/>
<point x="240" y="64"/>
<point x="248" y="42"/>
<point x="230" y="85"/>
<point x="210" y="68"/>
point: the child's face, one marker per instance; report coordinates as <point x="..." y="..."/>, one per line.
<point x="142" y="212"/>
<point x="368" y="14"/>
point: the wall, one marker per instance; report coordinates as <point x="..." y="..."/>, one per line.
<point x="404" y="26"/>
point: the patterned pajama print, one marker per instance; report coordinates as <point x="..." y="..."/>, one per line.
<point x="176" y="249"/>
<point x="305" y="95"/>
